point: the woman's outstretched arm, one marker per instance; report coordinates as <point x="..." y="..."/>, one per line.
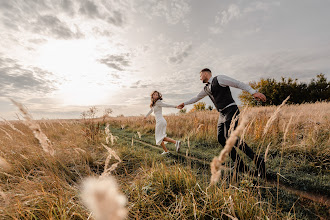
<point x="161" y="104"/>
<point x="151" y="110"/>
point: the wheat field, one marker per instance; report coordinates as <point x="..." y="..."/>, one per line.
<point x="96" y="168"/>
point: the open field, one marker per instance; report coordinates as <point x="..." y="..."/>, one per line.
<point x="36" y="185"/>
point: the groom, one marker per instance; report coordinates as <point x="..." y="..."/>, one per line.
<point x="217" y="88"/>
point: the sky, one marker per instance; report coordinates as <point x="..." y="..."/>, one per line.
<point x="59" y="58"/>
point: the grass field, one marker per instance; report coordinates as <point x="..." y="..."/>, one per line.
<point x="38" y="183"/>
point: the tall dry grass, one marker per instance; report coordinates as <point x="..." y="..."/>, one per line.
<point x="35" y="128"/>
<point x="35" y="185"/>
<point x="308" y="133"/>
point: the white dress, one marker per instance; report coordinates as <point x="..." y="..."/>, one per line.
<point x="160" y="131"/>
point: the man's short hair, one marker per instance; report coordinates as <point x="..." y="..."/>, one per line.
<point x="206" y="70"/>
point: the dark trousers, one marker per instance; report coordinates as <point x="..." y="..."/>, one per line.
<point x="226" y="117"/>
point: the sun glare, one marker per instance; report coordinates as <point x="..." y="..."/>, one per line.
<point x="83" y="80"/>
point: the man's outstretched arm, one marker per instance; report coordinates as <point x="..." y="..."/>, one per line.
<point x="228" y="81"/>
<point x="199" y="96"/>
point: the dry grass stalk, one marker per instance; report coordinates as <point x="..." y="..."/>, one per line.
<point x="273" y="117"/>
<point x="132" y="142"/>
<point x="4" y="197"/>
<point x="43" y="140"/>
<point x="79" y="150"/>
<point x="60" y="123"/>
<point x="103" y="198"/>
<point x="12" y="126"/>
<point x="45" y="124"/>
<point x="199" y="127"/>
<point x="11" y="138"/>
<point x="266" y="152"/>
<point x="107" y="133"/>
<point x="235" y="118"/>
<point x="107" y="170"/>
<point x="5" y="165"/>
<point x="17" y="116"/>
<point x="231" y="208"/>
<point x="139" y="134"/>
<point x="231" y="217"/>
<point x="24" y="157"/>
<point x="287" y="129"/>
<point x="113" y="138"/>
<point x="216" y="164"/>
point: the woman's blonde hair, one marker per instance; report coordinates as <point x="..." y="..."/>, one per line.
<point x="153" y="101"/>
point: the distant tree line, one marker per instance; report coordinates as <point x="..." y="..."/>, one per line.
<point x="276" y="91"/>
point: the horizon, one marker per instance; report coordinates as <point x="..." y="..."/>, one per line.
<point x="60" y="58"/>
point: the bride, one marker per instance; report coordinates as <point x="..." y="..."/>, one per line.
<point x="160" y="131"/>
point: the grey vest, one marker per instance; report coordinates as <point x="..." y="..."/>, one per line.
<point x="220" y="96"/>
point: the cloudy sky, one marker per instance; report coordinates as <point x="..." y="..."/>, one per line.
<point x="60" y="57"/>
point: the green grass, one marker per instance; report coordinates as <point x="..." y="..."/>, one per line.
<point x="289" y="203"/>
<point x="157" y="187"/>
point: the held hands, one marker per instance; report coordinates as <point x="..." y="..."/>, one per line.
<point x="259" y="96"/>
<point x="180" y="106"/>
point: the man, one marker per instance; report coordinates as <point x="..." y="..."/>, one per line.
<point x="217" y="88"/>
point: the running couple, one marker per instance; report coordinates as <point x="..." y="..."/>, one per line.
<point x="217" y="88"/>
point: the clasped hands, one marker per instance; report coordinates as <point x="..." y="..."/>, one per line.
<point x="180" y="106"/>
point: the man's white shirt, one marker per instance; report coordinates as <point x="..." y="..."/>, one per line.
<point x="223" y="81"/>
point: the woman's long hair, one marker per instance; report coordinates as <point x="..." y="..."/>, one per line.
<point x="153" y="101"/>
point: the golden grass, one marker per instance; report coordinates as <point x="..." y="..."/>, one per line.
<point x="35" y="127"/>
<point x="36" y="185"/>
<point x="308" y="131"/>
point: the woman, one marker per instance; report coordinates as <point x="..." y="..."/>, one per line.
<point x="160" y="131"/>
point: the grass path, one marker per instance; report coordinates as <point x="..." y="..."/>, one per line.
<point x="271" y="181"/>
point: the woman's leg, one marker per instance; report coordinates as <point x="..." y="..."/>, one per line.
<point x="169" y="140"/>
<point x="163" y="145"/>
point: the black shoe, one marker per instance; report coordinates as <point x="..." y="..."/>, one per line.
<point x="261" y="167"/>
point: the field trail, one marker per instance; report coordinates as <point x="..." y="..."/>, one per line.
<point x="270" y="182"/>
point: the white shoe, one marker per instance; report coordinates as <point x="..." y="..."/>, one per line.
<point x="178" y="145"/>
<point x="165" y="152"/>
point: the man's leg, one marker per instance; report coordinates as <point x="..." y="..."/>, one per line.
<point x="223" y="128"/>
<point x="258" y="160"/>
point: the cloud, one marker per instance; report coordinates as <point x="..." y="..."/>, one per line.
<point x="115" y="76"/>
<point x="118" y="62"/>
<point x="260" y="6"/>
<point x="67" y="6"/>
<point x="140" y="85"/>
<point x="223" y="18"/>
<point x="233" y="12"/>
<point x="63" y="19"/>
<point x="89" y="8"/>
<point x="181" y="51"/>
<point x="117" y="19"/>
<point x="39" y="17"/>
<point x="16" y="79"/>
<point x="110" y="11"/>
<point x="52" y="26"/>
<point x="174" y="11"/>
<point x="143" y="84"/>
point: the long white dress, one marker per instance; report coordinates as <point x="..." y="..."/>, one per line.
<point x="160" y="131"/>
